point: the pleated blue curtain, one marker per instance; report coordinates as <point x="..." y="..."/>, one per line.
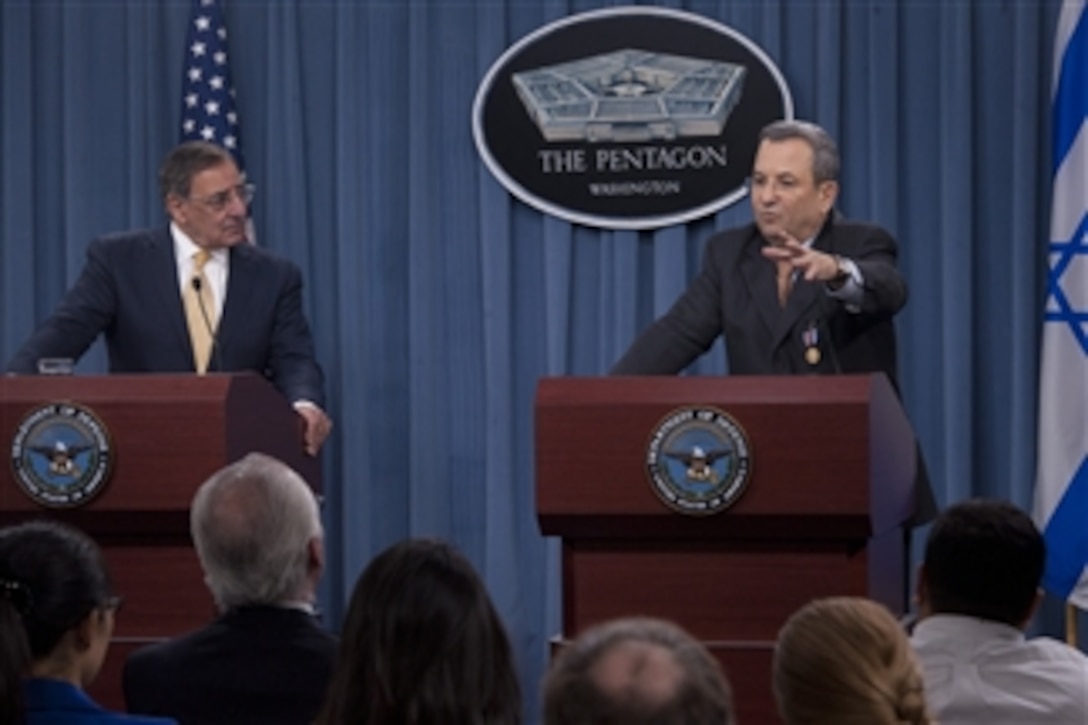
<point x="438" y="301"/>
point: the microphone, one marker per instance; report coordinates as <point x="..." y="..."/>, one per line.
<point x="198" y="285"/>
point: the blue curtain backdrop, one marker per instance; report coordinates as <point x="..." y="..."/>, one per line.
<point x="438" y="301"/>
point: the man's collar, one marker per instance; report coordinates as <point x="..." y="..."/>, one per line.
<point x="298" y="606"/>
<point x="185" y="247"/>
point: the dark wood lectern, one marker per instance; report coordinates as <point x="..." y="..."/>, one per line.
<point x="168" y="433"/>
<point x="832" y="469"/>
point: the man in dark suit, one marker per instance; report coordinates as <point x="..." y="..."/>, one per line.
<point x="133" y="289"/>
<point x="801" y="290"/>
<point x="266" y="659"/>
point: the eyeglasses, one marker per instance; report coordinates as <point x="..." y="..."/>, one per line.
<point x="220" y="200"/>
<point x="112" y="604"/>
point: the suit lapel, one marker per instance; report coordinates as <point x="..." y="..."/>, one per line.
<point x="758" y="273"/>
<point x="240" y="279"/>
<point x="164" y="280"/>
<point x="803" y="298"/>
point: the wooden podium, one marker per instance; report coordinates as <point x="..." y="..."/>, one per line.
<point x="167" y="434"/>
<point x="831" y="481"/>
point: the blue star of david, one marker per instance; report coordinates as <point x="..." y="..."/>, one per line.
<point x="1065" y="314"/>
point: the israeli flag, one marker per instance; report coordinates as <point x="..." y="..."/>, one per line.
<point x="1061" y="487"/>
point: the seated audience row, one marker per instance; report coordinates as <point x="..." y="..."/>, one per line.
<point x="846" y="660"/>
<point x="838" y="661"/>
<point x="422" y="642"/>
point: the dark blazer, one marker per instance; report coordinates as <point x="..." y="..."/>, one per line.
<point x="260" y="665"/>
<point x="128" y="290"/>
<point x="52" y="702"/>
<point x="735" y="295"/>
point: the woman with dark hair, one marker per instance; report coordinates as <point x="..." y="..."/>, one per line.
<point x="422" y="645"/>
<point x="56" y="619"/>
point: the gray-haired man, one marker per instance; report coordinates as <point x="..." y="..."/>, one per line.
<point x="266" y="659"/>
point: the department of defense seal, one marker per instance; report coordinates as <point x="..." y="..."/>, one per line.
<point x="698" y="460"/>
<point x="61" y="455"/>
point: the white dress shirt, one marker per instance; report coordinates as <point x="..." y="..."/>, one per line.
<point x="216" y="268"/>
<point x="985" y="672"/>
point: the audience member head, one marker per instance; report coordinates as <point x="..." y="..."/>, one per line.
<point x="985" y="559"/>
<point x="56" y="609"/>
<point x="422" y="644"/>
<point x="847" y="661"/>
<point x="257" y="531"/>
<point x="636" y="671"/>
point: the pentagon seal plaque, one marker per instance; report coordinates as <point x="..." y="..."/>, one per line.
<point x="61" y="455"/>
<point x="698" y="460"/>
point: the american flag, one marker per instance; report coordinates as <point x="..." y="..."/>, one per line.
<point x="208" y="112"/>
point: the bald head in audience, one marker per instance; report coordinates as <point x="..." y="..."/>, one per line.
<point x="636" y="672"/>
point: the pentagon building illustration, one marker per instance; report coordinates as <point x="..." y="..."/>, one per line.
<point x="631" y="95"/>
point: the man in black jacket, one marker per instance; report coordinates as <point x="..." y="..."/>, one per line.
<point x="266" y="659"/>
<point x="161" y="310"/>
<point x="800" y="290"/>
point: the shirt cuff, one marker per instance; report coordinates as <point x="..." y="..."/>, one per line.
<point x="852" y="291"/>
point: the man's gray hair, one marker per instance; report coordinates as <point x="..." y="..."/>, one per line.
<point x="252" y="523"/>
<point x="825" y="154"/>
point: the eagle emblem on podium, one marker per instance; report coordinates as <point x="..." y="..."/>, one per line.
<point x="61" y="455"/>
<point x="700" y="463"/>
<point x="698" y="460"/>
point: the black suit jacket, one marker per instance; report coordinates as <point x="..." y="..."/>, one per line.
<point x="260" y="665"/>
<point x="128" y="290"/>
<point x="736" y="295"/>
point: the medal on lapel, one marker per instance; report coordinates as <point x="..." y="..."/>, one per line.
<point x="811" y="339"/>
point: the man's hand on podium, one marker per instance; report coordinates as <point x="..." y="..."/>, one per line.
<point x="315" y="426"/>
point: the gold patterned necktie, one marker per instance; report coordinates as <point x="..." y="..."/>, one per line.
<point x="200" y="312"/>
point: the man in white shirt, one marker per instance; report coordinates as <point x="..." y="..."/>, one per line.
<point x="977" y="589"/>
